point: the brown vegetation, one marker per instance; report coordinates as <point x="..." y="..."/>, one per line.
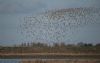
<point x="60" y="61"/>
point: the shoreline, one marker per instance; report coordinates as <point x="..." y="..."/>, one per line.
<point x="75" y="54"/>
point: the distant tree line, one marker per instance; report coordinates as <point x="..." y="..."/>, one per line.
<point x="55" y="48"/>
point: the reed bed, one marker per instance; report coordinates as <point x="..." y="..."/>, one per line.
<point x="60" y="61"/>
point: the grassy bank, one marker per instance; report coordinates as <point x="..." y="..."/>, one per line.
<point x="49" y="56"/>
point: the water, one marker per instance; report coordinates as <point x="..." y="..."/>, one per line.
<point x="10" y="60"/>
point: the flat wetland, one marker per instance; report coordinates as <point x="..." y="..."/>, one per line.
<point x="51" y="58"/>
<point x="41" y="53"/>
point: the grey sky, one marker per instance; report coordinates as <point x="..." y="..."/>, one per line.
<point x="26" y="6"/>
<point x="12" y="13"/>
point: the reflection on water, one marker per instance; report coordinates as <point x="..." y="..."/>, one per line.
<point x="48" y="61"/>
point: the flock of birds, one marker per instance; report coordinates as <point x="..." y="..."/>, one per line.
<point x="56" y="25"/>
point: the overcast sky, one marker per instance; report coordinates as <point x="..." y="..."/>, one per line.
<point x="12" y="13"/>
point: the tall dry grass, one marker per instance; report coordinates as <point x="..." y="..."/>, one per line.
<point x="60" y="61"/>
